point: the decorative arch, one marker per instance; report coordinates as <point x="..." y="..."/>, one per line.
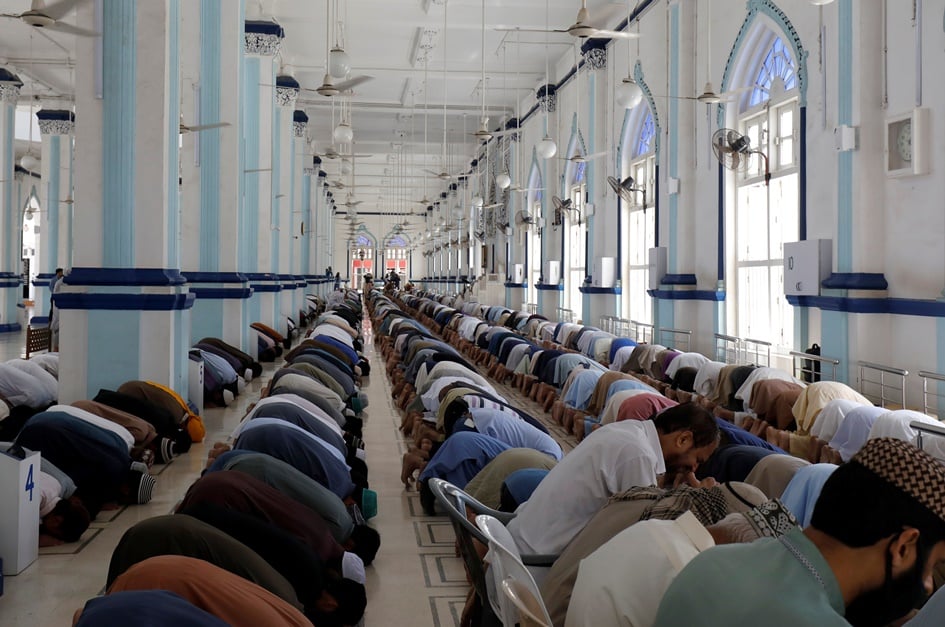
<point x="534" y="181"/>
<point x="634" y="120"/>
<point x="576" y="146"/>
<point x="751" y="37"/>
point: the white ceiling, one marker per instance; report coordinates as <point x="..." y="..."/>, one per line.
<point x="388" y="113"/>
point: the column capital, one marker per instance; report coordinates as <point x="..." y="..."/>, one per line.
<point x="547" y="97"/>
<point x="287" y="90"/>
<point x="594" y="53"/>
<point x="263" y="37"/>
<point x="56" y="122"/>
<point x="10" y="85"/>
<point x="299" y="123"/>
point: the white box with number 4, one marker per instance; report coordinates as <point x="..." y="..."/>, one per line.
<point x="19" y="516"/>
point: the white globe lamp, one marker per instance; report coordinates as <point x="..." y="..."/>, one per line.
<point x="547" y="148"/>
<point x="478" y="202"/>
<point x="29" y="162"/>
<point x="629" y="93"/>
<point x="343" y="133"/>
<point x="503" y="180"/>
<point x="339" y="63"/>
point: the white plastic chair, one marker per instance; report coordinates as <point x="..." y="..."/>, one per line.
<point x="505" y="563"/>
<point x="530" y="606"/>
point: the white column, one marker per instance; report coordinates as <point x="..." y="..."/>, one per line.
<point x="212" y="168"/>
<point x="9" y="211"/>
<point x="263" y="40"/>
<point x="283" y="180"/>
<point x="55" y="199"/>
<point x="124" y="306"/>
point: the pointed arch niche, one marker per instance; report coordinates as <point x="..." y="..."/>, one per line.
<point x="362" y="250"/>
<point x="755" y="219"/>
<point x="574" y="231"/>
<point x="533" y="236"/>
<point x="637" y="223"/>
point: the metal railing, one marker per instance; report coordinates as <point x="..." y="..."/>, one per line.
<point x="927" y="394"/>
<point x="813" y="367"/>
<point x="727" y="348"/>
<point x="608" y="324"/>
<point x="880" y="391"/>
<point x="564" y="314"/>
<point x="531" y="308"/>
<point x="925" y="429"/>
<point x="756" y="352"/>
<point x="678" y="339"/>
<point x="643" y="332"/>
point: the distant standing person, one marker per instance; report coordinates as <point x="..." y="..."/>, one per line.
<point x="52" y="288"/>
<point x="337" y="280"/>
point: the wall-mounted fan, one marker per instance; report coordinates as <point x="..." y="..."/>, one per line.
<point x="561" y="206"/>
<point x="734" y="151"/>
<point x="626" y="189"/>
<point x="524" y="219"/>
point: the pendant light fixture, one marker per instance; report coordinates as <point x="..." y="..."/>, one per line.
<point x="628" y="93"/>
<point x="546" y="148"/>
<point x="504" y="180"/>
<point x="339" y="63"/>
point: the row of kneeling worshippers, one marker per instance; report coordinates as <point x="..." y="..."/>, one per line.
<point x="274" y="531"/>
<point x="458" y="420"/>
<point x="96" y="454"/>
<point x="669" y="514"/>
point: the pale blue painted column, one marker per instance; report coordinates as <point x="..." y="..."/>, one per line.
<point x="835" y="325"/>
<point x="263" y="40"/>
<point x="56" y="128"/>
<point x="666" y="308"/>
<point x="123" y="306"/>
<point x="9" y="210"/>
<point x="212" y="169"/>
<point x="284" y="205"/>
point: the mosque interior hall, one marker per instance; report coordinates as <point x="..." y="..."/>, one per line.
<point x="472" y="312"/>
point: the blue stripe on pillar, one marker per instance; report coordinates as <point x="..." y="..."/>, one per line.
<point x="173" y="135"/>
<point x="8" y="208"/>
<point x="210" y="58"/>
<point x="305" y="239"/>
<point x="673" y="133"/>
<point x="120" y="56"/>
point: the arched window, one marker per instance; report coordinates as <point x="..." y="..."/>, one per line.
<point x="638" y="219"/>
<point x="362" y="259"/>
<point x="574" y="229"/>
<point x="765" y="216"/>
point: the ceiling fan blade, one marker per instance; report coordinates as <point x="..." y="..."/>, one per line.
<point x="613" y="34"/>
<point x="69" y="29"/>
<point x="351" y="83"/>
<point x="529" y="30"/>
<point x="596" y="155"/>
<point x="58" y="10"/>
<point x="258" y="170"/>
<point x="12" y="16"/>
<point x="204" y="127"/>
<point x="512" y="131"/>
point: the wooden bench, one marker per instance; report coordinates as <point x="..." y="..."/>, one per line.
<point x="38" y="339"/>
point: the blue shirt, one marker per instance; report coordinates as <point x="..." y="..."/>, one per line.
<point x="461" y="457"/>
<point x="514" y="431"/>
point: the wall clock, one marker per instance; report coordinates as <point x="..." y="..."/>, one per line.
<point x="907" y="143"/>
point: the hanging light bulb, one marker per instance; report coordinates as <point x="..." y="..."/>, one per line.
<point x="503" y="180"/>
<point x="629" y="93"/>
<point x="343" y="133"/>
<point x="29" y="162"/>
<point x="339" y="63"/>
<point x="345" y="167"/>
<point x="547" y="148"/>
<point x="477" y="201"/>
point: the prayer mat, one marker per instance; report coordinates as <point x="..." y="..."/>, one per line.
<point x="71" y="548"/>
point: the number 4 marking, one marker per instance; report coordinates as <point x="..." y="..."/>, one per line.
<point x="29" y="482"/>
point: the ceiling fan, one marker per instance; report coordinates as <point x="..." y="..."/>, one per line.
<point x="46" y="16"/>
<point x="336" y="66"/>
<point x="584" y="26"/>
<point x="331" y="153"/>
<point x="185" y="128"/>
<point x="578" y="158"/>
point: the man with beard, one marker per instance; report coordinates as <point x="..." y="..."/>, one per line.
<point x="613" y="459"/>
<point x="877" y="531"/>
